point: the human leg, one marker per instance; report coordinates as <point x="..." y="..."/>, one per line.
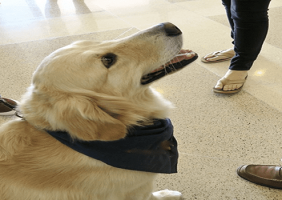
<point x="227" y="5"/>
<point x="250" y="18"/>
<point x="223" y="55"/>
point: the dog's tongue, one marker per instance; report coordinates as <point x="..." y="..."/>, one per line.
<point x="182" y="55"/>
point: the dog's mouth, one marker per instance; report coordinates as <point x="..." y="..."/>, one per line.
<point x="178" y="62"/>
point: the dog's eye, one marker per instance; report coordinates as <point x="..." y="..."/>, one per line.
<point x="109" y="59"/>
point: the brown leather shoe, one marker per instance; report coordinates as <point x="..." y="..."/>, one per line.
<point x="7" y="106"/>
<point x="265" y="175"/>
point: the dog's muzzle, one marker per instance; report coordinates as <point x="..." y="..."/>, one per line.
<point x="171" y="31"/>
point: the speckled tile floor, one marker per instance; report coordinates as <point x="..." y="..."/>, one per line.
<point x="216" y="133"/>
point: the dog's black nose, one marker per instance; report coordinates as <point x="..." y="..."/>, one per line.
<point x="171" y="29"/>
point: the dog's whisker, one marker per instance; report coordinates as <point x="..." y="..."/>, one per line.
<point x="166" y="71"/>
<point x="182" y="54"/>
<point x="119" y="36"/>
<point x="172" y="67"/>
<point x="165" y="67"/>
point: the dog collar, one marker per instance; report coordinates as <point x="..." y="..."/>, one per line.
<point x="150" y="148"/>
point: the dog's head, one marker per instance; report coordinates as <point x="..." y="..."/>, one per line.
<point x="95" y="90"/>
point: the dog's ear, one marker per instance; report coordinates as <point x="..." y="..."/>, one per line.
<point x="96" y="118"/>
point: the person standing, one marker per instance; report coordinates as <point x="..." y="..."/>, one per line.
<point x="249" y="22"/>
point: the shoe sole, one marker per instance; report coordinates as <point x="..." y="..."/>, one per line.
<point x="215" y="90"/>
<point x="8" y="113"/>
<point x="215" y="61"/>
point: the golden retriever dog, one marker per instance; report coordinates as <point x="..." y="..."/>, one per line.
<point x="90" y="96"/>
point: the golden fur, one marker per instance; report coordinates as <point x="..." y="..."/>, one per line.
<point x="72" y="90"/>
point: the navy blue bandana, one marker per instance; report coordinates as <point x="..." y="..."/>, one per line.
<point x="150" y="148"/>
